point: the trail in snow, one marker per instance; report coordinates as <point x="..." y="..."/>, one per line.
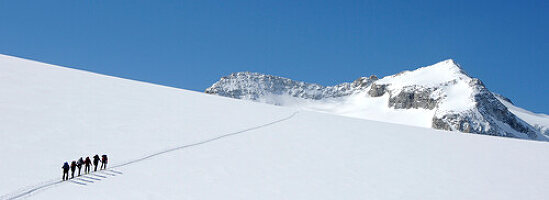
<point x="29" y="190"/>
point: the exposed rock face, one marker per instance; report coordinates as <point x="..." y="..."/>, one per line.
<point x="453" y="122"/>
<point x="413" y="97"/>
<point x="377" y="90"/>
<point x="488" y="116"/>
<point x="460" y="103"/>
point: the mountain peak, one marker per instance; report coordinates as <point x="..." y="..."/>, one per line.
<point x="449" y="61"/>
<point x="437" y="74"/>
<point x="440" y="96"/>
<point x="246" y="73"/>
<point x="449" y="64"/>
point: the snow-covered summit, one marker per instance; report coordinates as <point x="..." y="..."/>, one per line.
<point x="441" y="96"/>
<point x="439" y="73"/>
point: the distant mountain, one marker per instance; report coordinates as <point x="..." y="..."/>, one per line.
<point x="440" y="96"/>
<point x="263" y="88"/>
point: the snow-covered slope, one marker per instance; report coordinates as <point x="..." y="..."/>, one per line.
<point x="538" y="121"/>
<point x="167" y="143"/>
<point x="52" y="114"/>
<point x="441" y="96"/>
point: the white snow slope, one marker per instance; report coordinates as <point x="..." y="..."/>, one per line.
<point x="537" y="120"/>
<point x="169" y="143"/>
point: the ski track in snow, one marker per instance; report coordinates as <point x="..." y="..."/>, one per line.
<point x="27" y="191"/>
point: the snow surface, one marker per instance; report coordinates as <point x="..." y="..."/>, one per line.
<point x="236" y="149"/>
<point x="51" y="115"/>
<point x="540" y="121"/>
<point x="361" y="105"/>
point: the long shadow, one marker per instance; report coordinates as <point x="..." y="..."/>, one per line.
<point x="106" y="173"/>
<point x="90" y="178"/>
<point x="81" y="179"/>
<point x="76" y="182"/>
<point x="97" y="175"/>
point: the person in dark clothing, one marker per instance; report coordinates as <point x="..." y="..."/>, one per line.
<point x="65" y="171"/>
<point x="87" y="163"/>
<point x="79" y="164"/>
<point x="73" y="167"/>
<point x="104" y="161"/>
<point x="95" y="162"/>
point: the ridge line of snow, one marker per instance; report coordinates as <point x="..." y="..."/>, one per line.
<point x="29" y="190"/>
<point x="84" y="71"/>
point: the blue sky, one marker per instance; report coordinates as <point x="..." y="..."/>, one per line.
<point x="191" y="44"/>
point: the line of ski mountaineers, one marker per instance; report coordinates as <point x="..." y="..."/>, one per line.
<point x="87" y="163"/>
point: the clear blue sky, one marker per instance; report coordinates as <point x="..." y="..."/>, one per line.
<point x="190" y="44"/>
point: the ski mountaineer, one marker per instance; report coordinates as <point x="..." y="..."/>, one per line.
<point x="104" y="161"/>
<point x="65" y="171"/>
<point x="87" y="163"/>
<point x="95" y="162"/>
<point x="73" y="167"/>
<point x="79" y="164"/>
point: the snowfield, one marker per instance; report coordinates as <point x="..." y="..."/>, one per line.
<point x="168" y="143"/>
<point x="362" y="106"/>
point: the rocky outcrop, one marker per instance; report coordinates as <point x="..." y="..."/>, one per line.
<point x="413" y="98"/>
<point x="377" y="90"/>
<point x="254" y="86"/>
<point x="456" y="122"/>
<point x="488" y="116"/>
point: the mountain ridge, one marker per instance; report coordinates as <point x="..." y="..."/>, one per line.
<point x="449" y="98"/>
